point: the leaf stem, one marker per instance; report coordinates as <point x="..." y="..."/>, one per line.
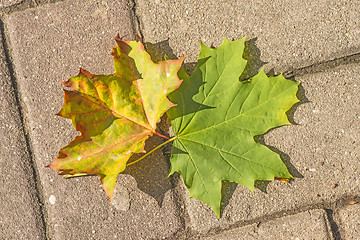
<point x="152" y="150"/>
<point x="75" y="175"/>
<point x="160" y="135"/>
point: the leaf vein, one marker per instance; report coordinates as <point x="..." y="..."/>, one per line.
<point x="230" y="153"/>
<point x="240" y="115"/>
<point x="205" y="97"/>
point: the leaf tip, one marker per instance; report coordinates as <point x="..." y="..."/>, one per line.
<point x="217" y="210"/>
<point x="117" y="37"/>
<point x="218" y="214"/>
<point x="138" y="37"/>
<point x="85" y="73"/>
<point x="262" y="70"/>
<point x="53" y="165"/>
<point x="108" y="182"/>
<point x="65" y="83"/>
<point x="171" y="172"/>
<point x="122" y="46"/>
<point x="285" y="180"/>
<point x="203" y="46"/>
<point x="142" y="150"/>
<point x="182" y="59"/>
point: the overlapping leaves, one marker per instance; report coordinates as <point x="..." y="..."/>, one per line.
<point x="215" y="119"/>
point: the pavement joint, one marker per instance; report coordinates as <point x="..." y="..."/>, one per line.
<point x="258" y="221"/>
<point x="137" y="29"/>
<point x="26" y="4"/>
<point x="39" y="198"/>
<point x="323" y="66"/>
<point x="17" y="7"/>
<point x="136" y="23"/>
<point x="329" y="207"/>
<point x="349" y="219"/>
<point x="185" y="232"/>
<point x="181" y="208"/>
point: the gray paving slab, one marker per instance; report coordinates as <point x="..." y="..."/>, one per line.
<point x="20" y="216"/>
<point x="306" y="225"/>
<point x="287" y="33"/>
<point x="350" y="222"/>
<point x="6" y="3"/>
<point x="321" y="151"/>
<point x="49" y="44"/>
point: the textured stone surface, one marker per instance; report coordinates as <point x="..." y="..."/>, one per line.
<point x="288" y="33"/>
<point x="350" y="222"/>
<point x="20" y="212"/>
<point x="322" y="150"/>
<point x="306" y="225"/>
<point x="6" y="3"/>
<point x="63" y="37"/>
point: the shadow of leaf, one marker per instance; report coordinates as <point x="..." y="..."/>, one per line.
<point x="182" y="95"/>
<point x="150" y="173"/>
<point x="227" y="190"/>
<point x="303" y="99"/>
<point x="254" y="63"/>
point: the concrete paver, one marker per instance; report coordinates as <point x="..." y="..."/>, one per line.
<point x="20" y="213"/>
<point x="49" y="44"/>
<point x="322" y="149"/>
<point x="6" y="3"/>
<point x="288" y="33"/>
<point x="306" y="225"/>
<point x="350" y="222"/>
<point x="322" y="152"/>
<point x="63" y="37"/>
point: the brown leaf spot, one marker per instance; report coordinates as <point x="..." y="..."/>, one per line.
<point x="285" y="180"/>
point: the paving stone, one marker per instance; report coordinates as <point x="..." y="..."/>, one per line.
<point x="306" y="225"/>
<point x="6" y="3"/>
<point x="49" y="44"/>
<point x="20" y="216"/>
<point x="321" y="151"/>
<point x="288" y="33"/>
<point x="350" y="222"/>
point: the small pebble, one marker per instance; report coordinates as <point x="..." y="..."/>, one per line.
<point x="52" y="199"/>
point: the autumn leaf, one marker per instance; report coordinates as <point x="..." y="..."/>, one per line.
<point x="216" y="119"/>
<point x="115" y="113"/>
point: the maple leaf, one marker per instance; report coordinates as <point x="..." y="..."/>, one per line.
<point x="115" y="113"/>
<point x="216" y="119"/>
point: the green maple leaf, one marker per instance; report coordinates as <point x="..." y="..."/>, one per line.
<point x="216" y="119"/>
<point x="115" y="113"/>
